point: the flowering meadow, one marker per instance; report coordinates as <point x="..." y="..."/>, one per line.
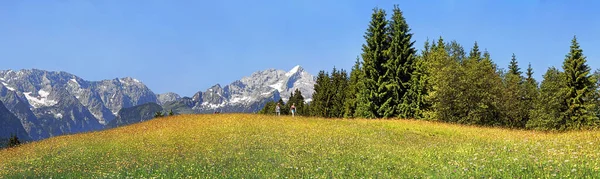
<point x="260" y="146"/>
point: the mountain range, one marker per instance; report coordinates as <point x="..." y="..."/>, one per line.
<point x="49" y="103"/>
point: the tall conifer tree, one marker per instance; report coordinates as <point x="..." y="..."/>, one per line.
<point x="352" y="91"/>
<point x="579" y="89"/>
<point x="320" y="96"/>
<point x="371" y="95"/>
<point x="399" y="69"/>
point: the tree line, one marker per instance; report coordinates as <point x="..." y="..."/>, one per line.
<point x="391" y="79"/>
<point x="296" y="99"/>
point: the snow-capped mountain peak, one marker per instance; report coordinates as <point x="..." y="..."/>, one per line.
<point x="296" y="69"/>
<point x="251" y="92"/>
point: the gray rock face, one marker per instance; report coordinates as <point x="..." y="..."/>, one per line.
<point x="21" y="109"/>
<point x="55" y="103"/>
<point x="10" y="125"/>
<point x="167" y="97"/>
<point x="135" y="114"/>
<point x="125" y="92"/>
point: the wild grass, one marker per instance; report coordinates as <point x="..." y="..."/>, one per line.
<point x="259" y="146"/>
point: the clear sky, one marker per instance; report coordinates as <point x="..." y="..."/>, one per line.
<point x="185" y="46"/>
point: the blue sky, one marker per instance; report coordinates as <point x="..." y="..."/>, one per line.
<point x="185" y="46"/>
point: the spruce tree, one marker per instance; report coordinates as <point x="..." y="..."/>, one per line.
<point x="371" y="95"/>
<point x="529" y="74"/>
<point x="320" y="96"/>
<point x="299" y="100"/>
<point x="290" y="101"/>
<point x="269" y="108"/>
<point x="399" y="68"/>
<point x="352" y="91"/>
<point x="418" y="90"/>
<point x="579" y="89"/>
<point x="514" y="109"/>
<point x="531" y="92"/>
<point x="513" y="68"/>
<point x="13" y="141"/>
<point x="340" y="85"/>
<point x="281" y="107"/>
<point x="158" y="114"/>
<point x="455" y="51"/>
<point x="475" y="54"/>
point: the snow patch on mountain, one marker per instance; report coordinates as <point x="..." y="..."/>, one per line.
<point x="241" y="99"/>
<point x="74" y="81"/>
<point x="40" y="100"/>
<point x="278" y="86"/>
<point x="213" y="106"/>
<point x="7" y="87"/>
<point x="293" y="70"/>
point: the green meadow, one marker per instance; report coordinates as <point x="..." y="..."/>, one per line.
<point x="260" y="146"/>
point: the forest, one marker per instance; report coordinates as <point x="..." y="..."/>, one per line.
<point x="445" y="82"/>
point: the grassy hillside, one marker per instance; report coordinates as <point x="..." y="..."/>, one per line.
<point x="244" y="145"/>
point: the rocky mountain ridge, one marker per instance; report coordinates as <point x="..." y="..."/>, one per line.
<point x="49" y="103"/>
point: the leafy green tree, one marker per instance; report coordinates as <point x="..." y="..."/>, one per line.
<point x="351" y="92"/>
<point x="171" y="113"/>
<point x="374" y="57"/>
<point x="549" y="107"/>
<point x="399" y="68"/>
<point x="445" y="81"/>
<point x="468" y="93"/>
<point x="479" y="91"/>
<point x="580" y="89"/>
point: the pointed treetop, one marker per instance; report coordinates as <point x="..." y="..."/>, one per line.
<point x="433" y="45"/>
<point x="513" y="67"/>
<point x="426" y="47"/>
<point x="575" y="61"/>
<point x="475" y="53"/>
<point x="440" y="43"/>
<point x="356" y="64"/>
<point x="529" y="72"/>
<point x="398" y="16"/>
<point x="575" y="48"/>
<point x="486" y="54"/>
